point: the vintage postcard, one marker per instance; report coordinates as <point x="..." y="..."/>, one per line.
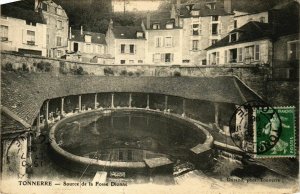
<point x="149" y="96"/>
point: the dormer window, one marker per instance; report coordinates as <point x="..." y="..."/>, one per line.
<point x="169" y="26"/>
<point x="156" y="26"/>
<point x="215" y="18"/>
<point x="139" y="34"/>
<point x="87" y="38"/>
<point x="233" y="37"/>
<point x="211" y="5"/>
<point x="195" y="13"/>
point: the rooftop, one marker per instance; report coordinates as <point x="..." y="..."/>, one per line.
<point x="127" y="32"/>
<point x="249" y="32"/>
<point x="24" y="93"/>
<point x="97" y="38"/>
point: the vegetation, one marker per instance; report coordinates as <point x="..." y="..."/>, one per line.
<point x="108" y="71"/>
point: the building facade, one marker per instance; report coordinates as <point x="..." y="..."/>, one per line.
<point x="126" y="44"/>
<point x="250" y="44"/>
<point x="163" y="40"/>
<point x="57" y="27"/>
<point x="85" y="46"/>
<point x="204" y="24"/>
<point x="23" y="31"/>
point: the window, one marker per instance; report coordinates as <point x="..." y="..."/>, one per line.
<point x="235" y="24"/>
<point x="293" y="50"/>
<point x="225" y="56"/>
<point x="122" y="48"/>
<point x="196" y="29"/>
<point x="215" y="18"/>
<point x="214" y="58"/>
<point x="30" y="37"/>
<point x="262" y="19"/>
<point x="75" y="46"/>
<point x="131" y="61"/>
<point x="88" y="48"/>
<point x="257" y="53"/>
<point x="168" y="41"/>
<point x="129" y="155"/>
<point x="240" y="54"/>
<point x="122" y="61"/>
<point x="87" y="38"/>
<point x="158" y="41"/>
<point x="169" y="26"/>
<point x="140" y="61"/>
<point x="233" y="37"/>
<point x="185" y="61"/>
<point x="214" y="30"/>
<point x="195" y="13"/>
<point x="168" y="57"/>
<point x="58" y="11"/>
<point x="131" y="48"/>
<point x="59" y="24"/>
<point x="58" y="41"/>
<point x="195" y="45"/>
<point x="59" y="53"/>
<point x="121" y="155"/>
<point x="156" y="26"/>
<point x="233" y="55"/>
<point x="211" y="5"/>
<point x="156" y="57"/>
<point x="214" y="41"/>
<point x="249" y="52"/>
<point x="4" y="33"/>
<point x="140" y="35"/>
<point x="44" y="7"/>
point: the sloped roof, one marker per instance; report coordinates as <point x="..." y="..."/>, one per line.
<point x="126" y="32"/>
<point x="24" y="94"/>
<point x="97" y="38"/>
<point x="24" y="14"/>
<point x="249" y="32"/>
<point x="203" y="10"/>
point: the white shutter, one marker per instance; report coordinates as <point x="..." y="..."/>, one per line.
<point x="172" y="57"/>
<point x="24" y="36"/>
<point x="220" y="28"/>
<point x="153" y="57"/>
<point x="162" y="57"/>
<point x="162" y="41"/>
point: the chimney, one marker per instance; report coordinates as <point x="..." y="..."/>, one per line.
<point x="81" y="30"/>
<point x="227" y="6"/>
<point x="36" y="5"/>
<point x="70" y="33"/>
<point x="148" y="20"/>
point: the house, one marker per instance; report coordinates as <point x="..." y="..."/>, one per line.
<point x="249" y="44"/>
<point x="85" y="46"/>
<point x="57" y="27"/>
<point x="204" y="23"/>
<point x="163" y="39"/>
<point x="284" y="18"/>
<point x="126" y="44"/>
<point x="23" y="31"/>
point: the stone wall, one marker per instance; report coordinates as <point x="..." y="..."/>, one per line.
<point x="253" y="76"/>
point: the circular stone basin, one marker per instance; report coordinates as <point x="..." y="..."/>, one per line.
<point x="122" y="138"/>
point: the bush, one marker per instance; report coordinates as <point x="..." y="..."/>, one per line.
<point x="130" y="73"/>
<point x="176" y="74"/>
<point x="25" y="68"/>
<point x="44" y="66"/>
<point x="123" y="72"/>
<point x="8" y="67"/>
<point x="80" y="71"/>
<point x="108" y="71"/>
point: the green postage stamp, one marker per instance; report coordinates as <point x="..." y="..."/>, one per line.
<point x="275" y="131"/>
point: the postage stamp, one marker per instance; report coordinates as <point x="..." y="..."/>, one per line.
<point x="266" y="125"/>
